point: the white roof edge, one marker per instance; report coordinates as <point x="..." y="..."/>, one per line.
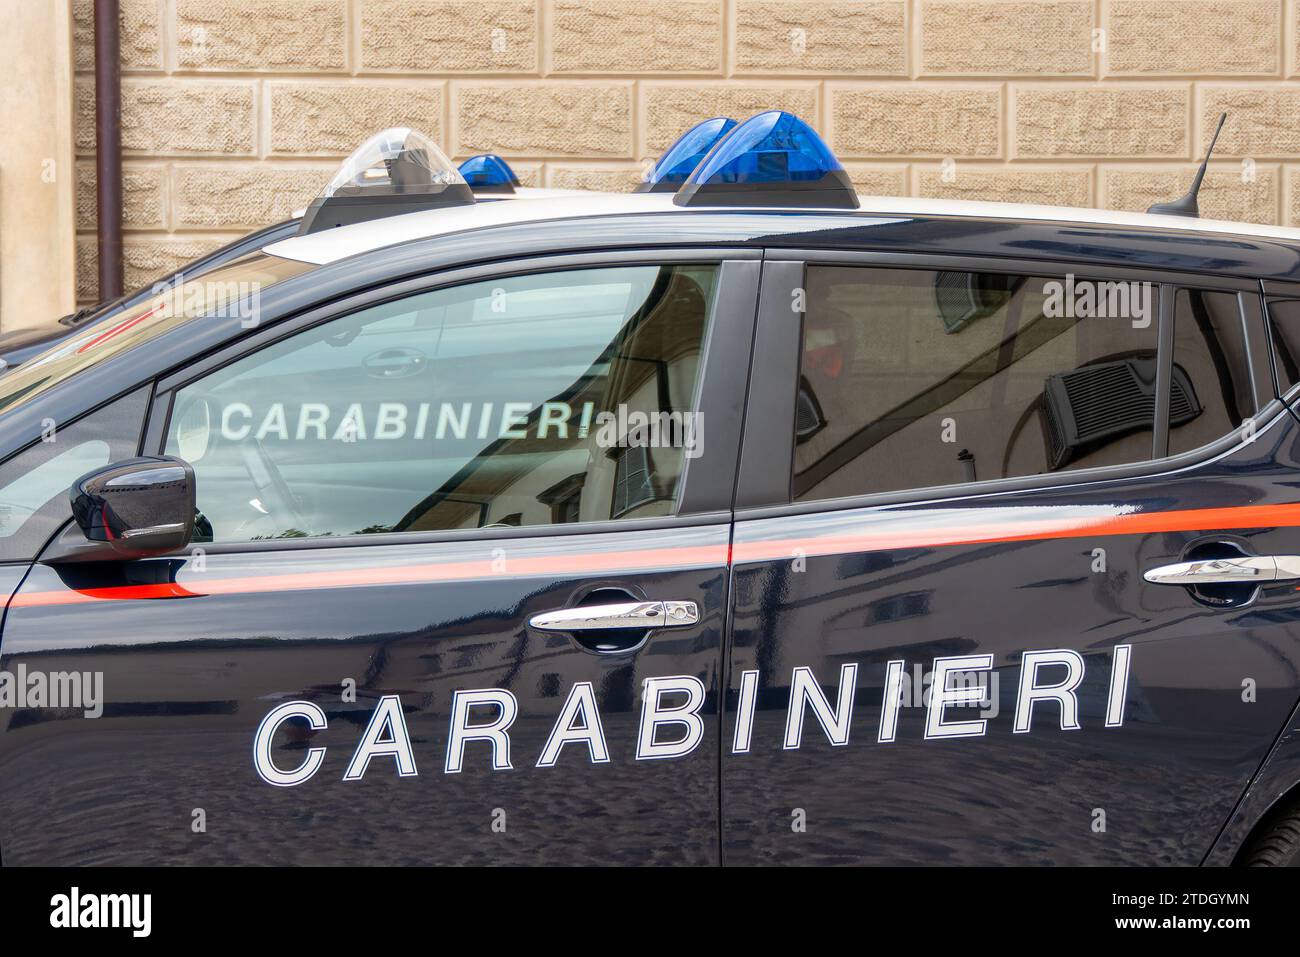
<point x="342" y="242"/>
<point x="1070" y="214"/>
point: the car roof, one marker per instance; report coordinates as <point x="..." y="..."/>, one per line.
<point x="345" y="241"/>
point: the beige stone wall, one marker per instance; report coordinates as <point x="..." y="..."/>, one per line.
<point x="235" y="111"/>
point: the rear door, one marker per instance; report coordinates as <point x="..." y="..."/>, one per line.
<point x="462" y="599"/>
<point x="946" y="648"/>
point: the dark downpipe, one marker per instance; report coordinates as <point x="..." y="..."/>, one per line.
<point x="108" y="148"/>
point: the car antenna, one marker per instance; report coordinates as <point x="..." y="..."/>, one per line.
<point x="1187" y="206"/>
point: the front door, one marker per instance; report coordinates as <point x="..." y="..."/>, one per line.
<point x="462" y="597"/>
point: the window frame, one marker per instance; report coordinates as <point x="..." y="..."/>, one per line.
<point x="707" y="482"/>
<point x="1276" y="290"/>
<point x="778" y="343"/>
<point x="1255" y="336"/>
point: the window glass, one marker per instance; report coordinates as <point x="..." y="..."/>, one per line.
<point x="529" y="400"/>
<point x="1212" y="392"/>
<point x="232" y="290"/>
<point x="27" y="491"/>
<point x="913" y="378"/>
<point x="1284" y="323"/>
<point x="34" y="483"/>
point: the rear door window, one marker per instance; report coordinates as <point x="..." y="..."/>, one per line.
<point x="912" y="378"/>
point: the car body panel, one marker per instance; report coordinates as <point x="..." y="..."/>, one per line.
<point x="1002" y="575"/>
<point x="192" y="663"/>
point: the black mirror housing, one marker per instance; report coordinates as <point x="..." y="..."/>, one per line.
<point x="137" y="507"/>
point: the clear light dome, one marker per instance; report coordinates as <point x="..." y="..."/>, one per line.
<point x="398" y="170"/>
<point x="394" y="161"/>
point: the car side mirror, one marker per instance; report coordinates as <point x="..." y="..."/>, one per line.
<point x="134" y="508"/>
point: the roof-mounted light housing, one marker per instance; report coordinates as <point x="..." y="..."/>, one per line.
<point x="398" y="170"/>
<point x="489" y="173"/>
<point x="680" y="159"/>
<point x="772" y="159"/>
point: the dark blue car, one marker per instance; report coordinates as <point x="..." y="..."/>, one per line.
<point x="739" y="524"/>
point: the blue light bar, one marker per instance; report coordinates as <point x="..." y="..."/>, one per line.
<point x="489" y="173"/>
<point x="772" y="159"/>
<point x="680" y="159"/>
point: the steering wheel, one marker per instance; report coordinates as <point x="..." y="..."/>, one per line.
<point x="272" y="490"/>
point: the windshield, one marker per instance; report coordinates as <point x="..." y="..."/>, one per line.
<point x="232" y="290"/>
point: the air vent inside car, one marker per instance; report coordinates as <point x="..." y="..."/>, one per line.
<point x="808" y="417"/>
<point x="963" y="297"/>
<point x="1107" y="400"/>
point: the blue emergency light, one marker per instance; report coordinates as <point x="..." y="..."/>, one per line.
<point x="489" y="173"/>
<point x="772" y="159"/>
<point x="680" y="159"/>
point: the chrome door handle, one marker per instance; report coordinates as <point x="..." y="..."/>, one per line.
<point x="1242" y="570"/>
<point x="624" y="614"/>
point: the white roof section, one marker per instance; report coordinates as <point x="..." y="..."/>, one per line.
<point x="539" y="192"/>
<point x="332" y="245"/>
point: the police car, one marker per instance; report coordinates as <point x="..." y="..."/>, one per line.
<point x="739" y="520"/>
